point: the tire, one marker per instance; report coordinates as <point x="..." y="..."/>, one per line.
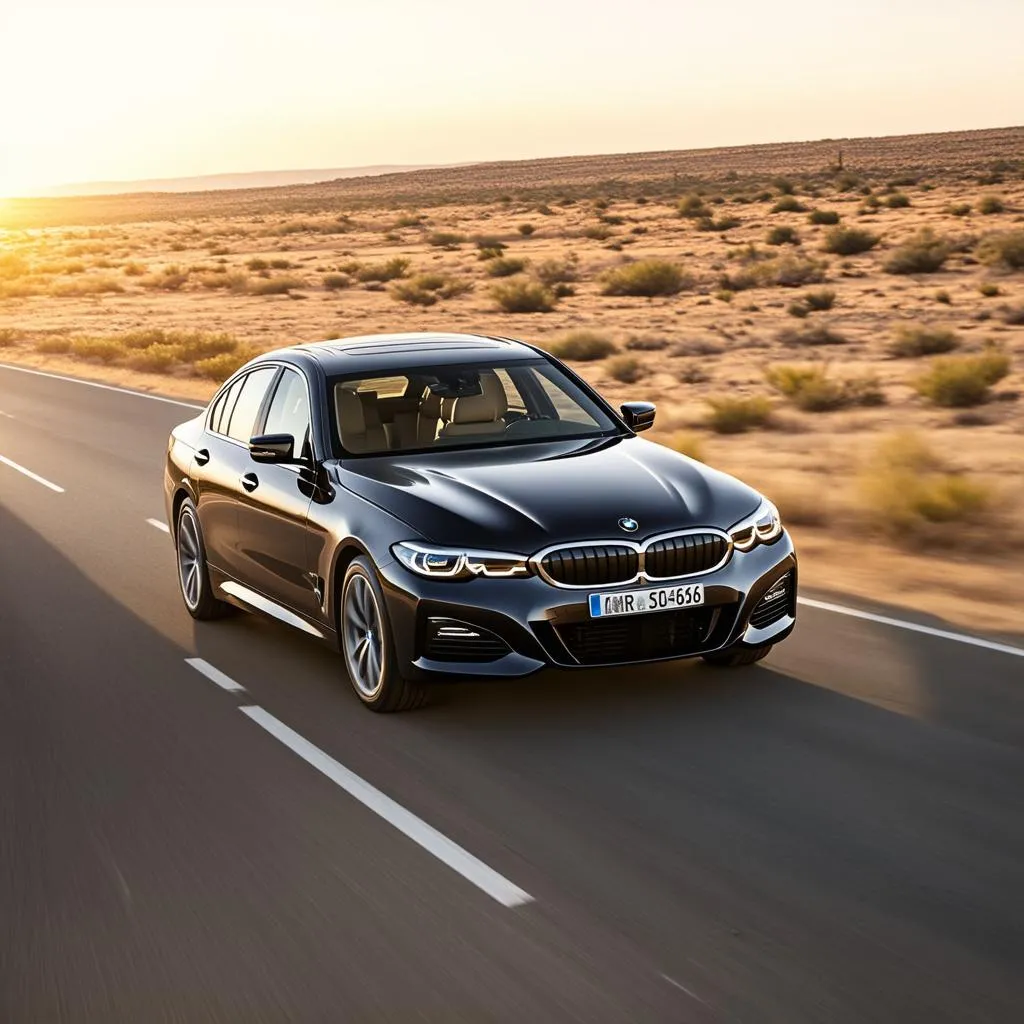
<point x="193" y="574"/>
<point x="367" y="645"/>
<point x="733" y="657"/>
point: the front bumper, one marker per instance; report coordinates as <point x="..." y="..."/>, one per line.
<point x="542" y="625"/>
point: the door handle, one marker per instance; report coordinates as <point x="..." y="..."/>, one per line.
<point x="202" y="457"/>
<point x="250" y="481"/>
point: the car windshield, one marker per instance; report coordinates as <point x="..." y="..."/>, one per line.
<point x="466" y="406"/>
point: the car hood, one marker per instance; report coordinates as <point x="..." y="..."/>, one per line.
<point x="524" y="497"/>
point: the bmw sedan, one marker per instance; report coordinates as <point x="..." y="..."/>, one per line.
<point x="439" y="505"/>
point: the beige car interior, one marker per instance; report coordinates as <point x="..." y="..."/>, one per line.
<point x="368" y="423"/>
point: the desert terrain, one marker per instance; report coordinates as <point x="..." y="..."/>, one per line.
<point x="841" y="323"/>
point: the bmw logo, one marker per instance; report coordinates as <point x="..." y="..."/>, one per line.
<point x="629" y="524"/>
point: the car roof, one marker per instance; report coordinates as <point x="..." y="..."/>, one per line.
<point x="388" y="352"/>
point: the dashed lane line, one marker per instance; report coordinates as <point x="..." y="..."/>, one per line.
<point x="32" y="476"/>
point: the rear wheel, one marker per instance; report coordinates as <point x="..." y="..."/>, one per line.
<point x="367" y="644"/>
<point x="193" y="575"/>
<point x="733" y="657"/>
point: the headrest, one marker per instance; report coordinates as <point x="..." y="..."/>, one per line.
<point x="351" y="419"/>
<point x="371" y="412"/>
<point x="488" y="406"/>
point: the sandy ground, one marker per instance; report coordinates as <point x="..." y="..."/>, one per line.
<point x="698" y="344"/>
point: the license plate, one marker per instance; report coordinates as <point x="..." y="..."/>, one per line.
<point x="636" y="602"/>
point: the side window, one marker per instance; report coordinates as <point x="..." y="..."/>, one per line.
<point x="289" y="409"/>
<point x="221" y="412"/>
<point x="514" y="398"/>
<point x="247" y="405"/>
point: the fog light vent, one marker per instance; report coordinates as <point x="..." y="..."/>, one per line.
<point x="775" y="604"/>
<point x="452" y="640"/>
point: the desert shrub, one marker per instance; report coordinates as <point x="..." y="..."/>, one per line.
<point x="849" y="241"/>
<point x="1014" y="316"/>
<point x="789" y="204"/>
<point x="810" y="337"/>
<point x="280" y="285"/>
<point x="12" y="265"/>
<point x="925" y="253"/>
<point x="944" y="297"/>
<point x="646" y="277"/>
<point x="409" y="220"/>
<point x="335" y="282"/>
<point x="280" y="263"/>
<point x="914" y="340"/>
<point x="390" y="270"/>
<point x="55" y="344"/>
<point x="144" y="337"/>
<point x="988" y="289"/>
<point x="256" y="264"/>
<point x="820" y="300"/>
<point x="811" y="389"/>
<point x="991" y="204"/>
<point x="905" y="486"/>
<point x="171" y="278"/>
<point x="783" y="235"/>
<point x="598" y="232"/>
<point x="692" y="206"/>
<point x="733" y="414"/>
<point x="506" y="266"/>
<point x="526" y="230"/>
<point x="627" y="369"/>
<point x="582" y="346"/>
<point x="133" y="269"/>
<point x="552" y="272"/>
<point x="718" y="223"/>
<point x="960" y="381"/>
<point x="195" y="345"/>
<point x="725" y="295"/>
<point x="154" y="359"/>
<point x="491" y="245"/>
<point x="897" y="201"/>
<point x="100" y="285"/>
<point x="8" y="336"/>
<point x="785" y="271"/>
<point x="797" y="309"/>
<point x="426" y="289"/>
<point x="644" y="343"/>
<point x="958" y="209"/>
<point x="520" y="295"/>
<point x="562" y="290"/>
<point x="784" y="185"/>
<point x="823" y="217"/>
<point x="221" y="367"/>
<point x="1005" y="250"/>
<point x="445" y="239"/>
<point x="103" y="350"/>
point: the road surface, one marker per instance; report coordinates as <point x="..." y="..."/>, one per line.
<point x="835" y="835"/>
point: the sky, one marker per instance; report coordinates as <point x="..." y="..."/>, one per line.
<point x="127" y="89"/>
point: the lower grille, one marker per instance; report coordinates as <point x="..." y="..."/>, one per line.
<point x="451" y="640"/>
<point x="643" y="637"/>
<point x="591" y="565"/>
<point x="776" y="604"/>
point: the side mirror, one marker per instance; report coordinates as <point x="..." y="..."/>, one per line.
<point x="638" y="415"/>
<point x="272" y="448"/>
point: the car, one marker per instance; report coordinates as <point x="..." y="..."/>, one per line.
<point x="451" y="505"/>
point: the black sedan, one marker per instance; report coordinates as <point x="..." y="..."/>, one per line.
<point x="458" y="505"/>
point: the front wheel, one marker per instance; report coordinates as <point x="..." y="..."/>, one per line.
<point x="367" y="645"/>
<point x="732" y="657"/>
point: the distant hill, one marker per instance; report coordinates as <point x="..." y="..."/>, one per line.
<point x="220" y="182"/>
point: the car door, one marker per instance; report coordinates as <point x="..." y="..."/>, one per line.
<point x="221" y="460"/>
<point x="272" y="554"/>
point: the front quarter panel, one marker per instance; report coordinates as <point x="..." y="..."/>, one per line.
<point x="181" y="448"/>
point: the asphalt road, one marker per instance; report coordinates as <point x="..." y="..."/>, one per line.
<point x="836" y="835"/>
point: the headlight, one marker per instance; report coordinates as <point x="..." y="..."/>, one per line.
<point x="455" y="564"/>
<point x="763" y="527"/>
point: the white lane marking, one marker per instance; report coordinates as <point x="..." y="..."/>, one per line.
<point x="496" y="886"/>
<point x="159" y="525"/>
<point x="679" y="985"/>
<point x="6" y="415"/>
<point x="102" y="387"/>
<point x="215" y="675"/>
<point x="914" y="627"/>
<point x="32" y="476"/>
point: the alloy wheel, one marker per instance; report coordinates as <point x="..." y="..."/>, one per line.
<point x="189" y="560"/>
<point x="364" y="643"/>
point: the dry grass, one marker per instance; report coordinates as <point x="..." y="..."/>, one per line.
<point x="520" y="295"/>
<point x="647" y="278"/>
<point x="960" y="381"/>
<point x="582" y="346"/>
<point x="812" y="389"/>
<point x="914" y="340"/>
<point x="731" y="414"/>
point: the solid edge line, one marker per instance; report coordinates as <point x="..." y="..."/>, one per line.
<point x="914" y="627"/>
<point x="102" y="387"/>
<point x="215" y="675"/>
<point x="473" y="870"/>
<point x="32" y="476"/>
<point x="159" y="525"/>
